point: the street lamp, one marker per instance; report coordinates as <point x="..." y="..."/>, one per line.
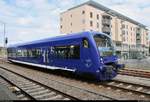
<point x="4" y="34"/>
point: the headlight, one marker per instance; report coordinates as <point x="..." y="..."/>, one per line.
<point x="101" y="60"/>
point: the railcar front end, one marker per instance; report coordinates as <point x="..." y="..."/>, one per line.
<point x="108" y="61"/>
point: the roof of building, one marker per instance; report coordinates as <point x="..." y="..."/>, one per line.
<point x="109" y="11"/>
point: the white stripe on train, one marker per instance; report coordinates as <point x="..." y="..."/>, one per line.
<point x="43" y="66"/>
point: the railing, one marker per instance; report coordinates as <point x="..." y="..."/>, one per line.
<point x="106" y="29"/>
<point x="106" y="21"/>
<point x="106" y="16"/>
<point x="138" y="30"/>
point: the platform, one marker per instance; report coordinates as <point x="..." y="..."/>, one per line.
<point x="6" y="94"/>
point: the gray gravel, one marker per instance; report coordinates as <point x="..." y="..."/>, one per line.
<point x="132" y="79"/>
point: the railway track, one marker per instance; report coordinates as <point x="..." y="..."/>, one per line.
<point x="137" y="73"/>
<point x="142" y="90"/>
<point x="20" y="94"/>
<point x="34" y="90"/>
<point x="31" y="87"/>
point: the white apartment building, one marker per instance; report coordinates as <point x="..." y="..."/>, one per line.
<point x="129" y="36"/>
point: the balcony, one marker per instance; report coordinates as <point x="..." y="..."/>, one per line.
<point x="138" y="34"/>
<point x="106" y="16"/>
<point x="138" y="41"/>
<point x="138" y="30"/>
<point x="138" y="37"/>
<point x="106" y="22"/>
<point x="106" y="29"/>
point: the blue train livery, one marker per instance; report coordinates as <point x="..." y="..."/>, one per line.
<point x="90" y="53"/>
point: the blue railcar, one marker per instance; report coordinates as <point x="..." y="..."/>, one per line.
<point x="89" y="53"/>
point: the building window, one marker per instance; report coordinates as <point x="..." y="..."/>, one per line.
<point x="61" y="26"/>
<point x="83" y="21"/>
<point x="123" y="26"/>
<point x="127" y="26"/>
<point x="83" y="12"/>
<point x="61" y="19"/>
<point x="127" y="32"/>
<point x="97" y="16"/>
<point x="71" y="24"/>
<point x="97" y="25"/>
<point x="124" y="39"/>
<point x="91" y="23"/>
<point x="71" y="15"/>
<point x="123" y="32"/>
<point x="91" y="14"/>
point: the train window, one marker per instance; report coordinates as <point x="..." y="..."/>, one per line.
<point x="75" y="52"/>
<point x="11" y="53"/>
<point x="25" y="53"/>
<point x="19" y="53"/>
<point x="85" y="43"/>
<point x="66" y="52"/>
<point x="28" y="52"/>
<point x="33" y="52"/>
<point x="38" y="52"/>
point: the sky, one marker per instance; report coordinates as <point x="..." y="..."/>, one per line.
<point x="28" y="20"/>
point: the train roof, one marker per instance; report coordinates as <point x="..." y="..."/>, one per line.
<point x="62" y="37"/>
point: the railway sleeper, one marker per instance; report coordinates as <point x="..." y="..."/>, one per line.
<point x="45" y="95"/>
<point x="35" y="90"/>
<point x="25" y="86"/>
<point x="39" y="92"/>
<point x="31" y="87"/>
<point x="57" y="97"/>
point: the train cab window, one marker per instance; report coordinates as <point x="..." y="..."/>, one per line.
<point x="85" y="43"/>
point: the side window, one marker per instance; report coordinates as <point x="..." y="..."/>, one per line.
<point x="74" y="52"/>
<point x="66" y="52"/>
<point x="19" y="53"/>
<point x="85" y="43"/>
<point x="37" y="52"/>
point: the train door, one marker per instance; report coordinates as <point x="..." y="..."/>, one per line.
<point x="85" y="52"/>
<point x="45" y="56"/>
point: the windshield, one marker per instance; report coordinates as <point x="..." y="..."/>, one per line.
<point x="104" y="45"/>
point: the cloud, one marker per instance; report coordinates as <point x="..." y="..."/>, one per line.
<point x="28" y="20"/>
<point x="24" y="21"/>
